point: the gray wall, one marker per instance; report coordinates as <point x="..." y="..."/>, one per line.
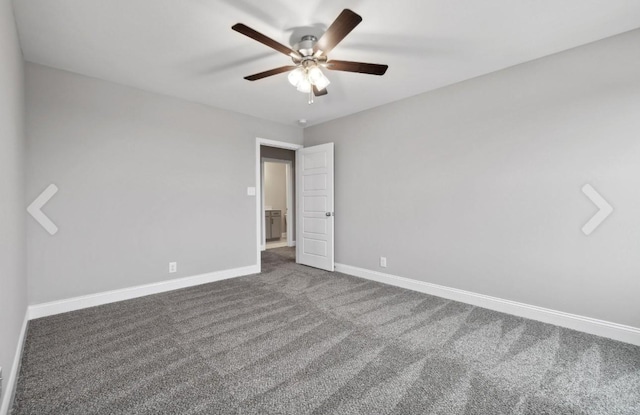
<point x="278" y="154"/>
<point x="275" y="189"/>
<point x="144" y="180"/>
<point x="13" y="282"/>
<point x="477" y="186"/>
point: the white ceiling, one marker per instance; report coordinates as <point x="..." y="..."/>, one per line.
<point x="187" y="49"/>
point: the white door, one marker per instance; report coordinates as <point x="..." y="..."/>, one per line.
<point x="314" y="194"/>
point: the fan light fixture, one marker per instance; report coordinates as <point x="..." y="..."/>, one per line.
<point x="309" y="56"/>
<point x="304" y="78"/>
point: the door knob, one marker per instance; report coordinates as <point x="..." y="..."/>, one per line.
<point x="328" y="214"/>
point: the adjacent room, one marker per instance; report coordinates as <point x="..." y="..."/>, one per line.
<point x="322" y="207"/>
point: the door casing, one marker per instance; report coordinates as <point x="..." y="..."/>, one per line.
<point x="258" y="176"/>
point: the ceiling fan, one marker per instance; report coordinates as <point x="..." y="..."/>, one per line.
<point x="310" y="55"/>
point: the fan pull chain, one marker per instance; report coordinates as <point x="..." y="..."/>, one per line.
<point x="310" y="96"/>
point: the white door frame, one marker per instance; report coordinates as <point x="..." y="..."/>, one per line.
<point x="258" y="166"/>
<point x="289" y="196"/>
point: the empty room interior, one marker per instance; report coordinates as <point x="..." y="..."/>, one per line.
<point x="320" y="207"/>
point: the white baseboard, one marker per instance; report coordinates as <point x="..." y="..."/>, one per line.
<point x="589" y="325"/>
<point x="92" y="300"/>
<point x="9" y="388"/>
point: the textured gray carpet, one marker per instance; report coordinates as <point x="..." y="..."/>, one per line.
<point x="296" y="340"/>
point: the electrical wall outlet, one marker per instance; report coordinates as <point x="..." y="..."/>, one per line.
<point x="383" y="262"/>
<point x="173" y="267"/>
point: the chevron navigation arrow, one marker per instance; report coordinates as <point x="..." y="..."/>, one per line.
<point x="605" y="209"/>
<point x="36" y="205"/>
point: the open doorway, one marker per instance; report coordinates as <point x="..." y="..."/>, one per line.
<point x="277" y="200"/>
<point x="278" y="157"/>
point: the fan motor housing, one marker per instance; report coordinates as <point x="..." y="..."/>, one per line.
<point x="306" y="44"/>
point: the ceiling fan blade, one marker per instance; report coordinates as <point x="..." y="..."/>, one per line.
<point x="360" y="67"/>
<point x="247" y="31"/>
<point x="319" y="92"/>
<point x="339" y="29"/>
<point x="270" y="72"/>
